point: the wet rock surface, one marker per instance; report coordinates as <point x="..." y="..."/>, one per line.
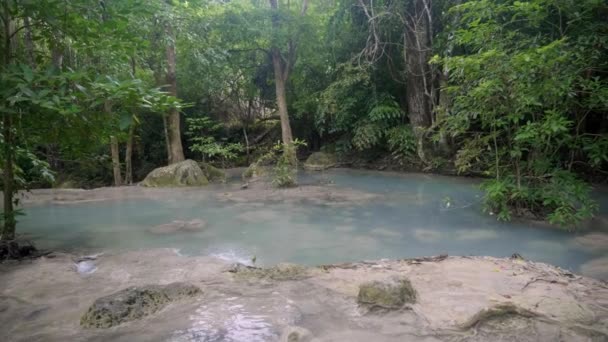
<point x="457" y="299"/>
<point x="134" y="303"/>
<point x="185" y="173"/>
<point x="319" y="161"/>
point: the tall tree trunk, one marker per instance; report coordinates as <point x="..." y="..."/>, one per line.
<point x="29" y="43"/>
<point x="8" y="229"/>
<point x="167" y="140"/>
<point x="129" y="156"/>
<point x="279" y="81"/>
<point x="115" y="160"/>
<point x="419" y="79"/>
<point x="57" y="55"/>
<point x="114" y="149"/>
<point x="173" y="120"/>
<point x="282" y="68"/>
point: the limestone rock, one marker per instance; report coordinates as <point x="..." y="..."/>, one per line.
<point x="212" y="173"/>
<point x="134" y="303"/>
<point x="391" y="295"/>
<point x="280" y="272"/>
<point x="319" y="161"/>
<point x="185" y="173"/>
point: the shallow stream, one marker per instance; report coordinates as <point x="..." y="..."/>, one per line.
<point x="413" y="215"/>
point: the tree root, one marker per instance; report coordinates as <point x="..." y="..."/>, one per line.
<point x="495" y="312"/>
<point x="17" y="250"/>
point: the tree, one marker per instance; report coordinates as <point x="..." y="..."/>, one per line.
<point x="283" y="63"/>
<point x="173" y="119"/>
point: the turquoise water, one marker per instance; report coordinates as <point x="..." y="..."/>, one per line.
<point x="416" y="215"/>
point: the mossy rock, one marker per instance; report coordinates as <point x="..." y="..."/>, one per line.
<point x="254" y="171"/>
<point x="185" y="173"/>
<point x="212" y="173"/>
<point x="280" y="272"/>
<point x="134" y="303"/>
<point x="319" y="161"/>
<point x="390" y="295"/>
<point x="67" y="184"/>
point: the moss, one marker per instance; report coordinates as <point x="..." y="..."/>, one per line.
<point x="250" y="171"/>
<point x="67" y="184"/>
<point x="496" y="312"/>
<point x="186" y="173"/>
<point x="280" y="272"/>
<point x="212" y="173"/>
<point x="320" y="161"/>
<point x="391" y="295"/>
<point x="134" y="303"/>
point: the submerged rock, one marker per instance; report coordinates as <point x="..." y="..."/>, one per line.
<point x="178" y="226"/>
<point x="134" y="303"/>
<point x="296" y="334"/>
<point x="597" y="268"/>
<point x="185" y="173"/>
<point x="319" y="161"/>
<point x="594" y="241"/>
<point x="391" y="295"/>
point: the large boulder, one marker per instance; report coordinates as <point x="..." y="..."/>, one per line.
<point x="185" y="173"/>
<point x="134" y="303"/>
<point x="319" y="161"/>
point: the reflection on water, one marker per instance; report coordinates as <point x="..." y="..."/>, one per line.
<point x="415" y="215"/>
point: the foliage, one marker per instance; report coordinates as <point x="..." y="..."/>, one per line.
<point x="199" y="130"/>
<point x="401" y="142"/>
<point x="525" y="85"/>
<point x="346" y="108"/>
<point x="519" y="90"/>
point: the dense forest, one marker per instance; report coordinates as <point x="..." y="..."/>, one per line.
<point x="101" y="92"/>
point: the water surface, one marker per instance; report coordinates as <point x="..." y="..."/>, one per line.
<point x="414" y="215"/>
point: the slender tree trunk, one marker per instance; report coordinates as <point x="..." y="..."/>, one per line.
<point x="173" y="119"/>
<point x="279" y="82"/>
<point x="419" y="78"/>
<point x="167" y="140"/>
<point x="57" y="55"/>
<point x="114" y="149"/>
<point x="246" y="142"/>
<point x="129" y="156"/>
<point x="8" y="232"/>
<point x="29" y="43"/>
<point x="115" y="160"/>
<point x="8" y="229"/>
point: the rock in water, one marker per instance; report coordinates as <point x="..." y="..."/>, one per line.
<point x="296" y="334"/>
<point x="178" y="226"/>
<point x="185" y="173"/>
<point x="319" y="161"/>
<point x="391" y="295"/>
<point x="134" y="303"/>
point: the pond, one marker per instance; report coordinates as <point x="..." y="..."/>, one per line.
<point x="410" y="215"/>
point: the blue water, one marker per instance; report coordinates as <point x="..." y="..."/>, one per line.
<point x="415" y="215"/>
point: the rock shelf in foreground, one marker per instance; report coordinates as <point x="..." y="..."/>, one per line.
<point x="444" y="298"/>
